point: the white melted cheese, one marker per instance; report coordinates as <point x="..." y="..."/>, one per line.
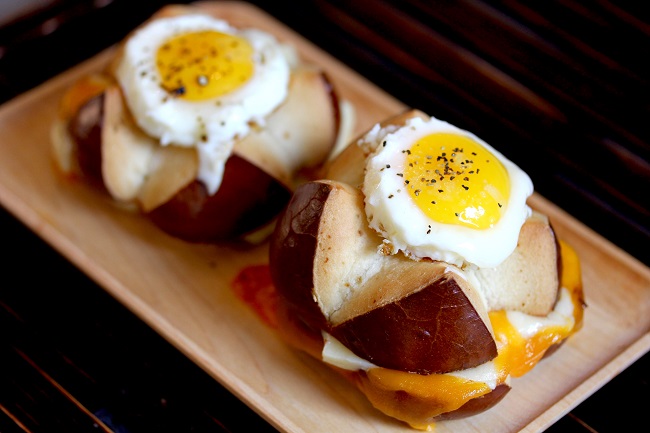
<point x="336" y="354"/>
<point x="562" y="315"/>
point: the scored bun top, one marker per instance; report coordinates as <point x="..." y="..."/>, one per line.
<point x="421" y="316"/>
<point x="193" y="111"/>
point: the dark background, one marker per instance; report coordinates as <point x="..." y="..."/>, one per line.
<point x="561" y="86"/>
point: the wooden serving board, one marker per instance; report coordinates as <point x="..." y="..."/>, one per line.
<point x="184" y="291"/>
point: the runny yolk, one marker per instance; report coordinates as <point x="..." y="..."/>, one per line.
<point x="204" y="65"/>
<point x="455" y="180"/>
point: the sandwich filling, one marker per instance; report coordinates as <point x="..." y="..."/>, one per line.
<point x="522" y="340"/>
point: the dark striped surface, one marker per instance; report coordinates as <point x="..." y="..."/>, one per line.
<point x="561" y="87"/>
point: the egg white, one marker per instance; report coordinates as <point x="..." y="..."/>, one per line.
<point x="211" y="126"/>
<point x="393" y="214"/>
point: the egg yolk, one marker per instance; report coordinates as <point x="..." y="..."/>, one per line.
<point x="204" y="65"/>
<point x="455" y="180"/>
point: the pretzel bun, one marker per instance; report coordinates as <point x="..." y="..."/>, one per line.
<point x="424" y="340"/>
<point x="97" y="138"/>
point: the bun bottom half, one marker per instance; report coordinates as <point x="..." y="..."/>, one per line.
<point x="418" y="409"/>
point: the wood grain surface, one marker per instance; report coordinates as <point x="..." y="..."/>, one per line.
<point x="183" y="291"/>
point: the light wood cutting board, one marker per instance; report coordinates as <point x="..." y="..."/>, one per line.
<point x="184" y="291"/>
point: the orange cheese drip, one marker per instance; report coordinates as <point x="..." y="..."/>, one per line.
<point x="81" y="92"/>
<point x="572" y="280"/>
<point x="417" y="399"/>
<point x="518" y="355"/>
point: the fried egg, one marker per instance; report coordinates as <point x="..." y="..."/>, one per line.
<point x="195" y="81"/>
<point x="435" y="191"/>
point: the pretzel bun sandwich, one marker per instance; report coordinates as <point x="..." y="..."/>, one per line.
<point x="204" y="127"/>
<point x="418" y="271"/>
